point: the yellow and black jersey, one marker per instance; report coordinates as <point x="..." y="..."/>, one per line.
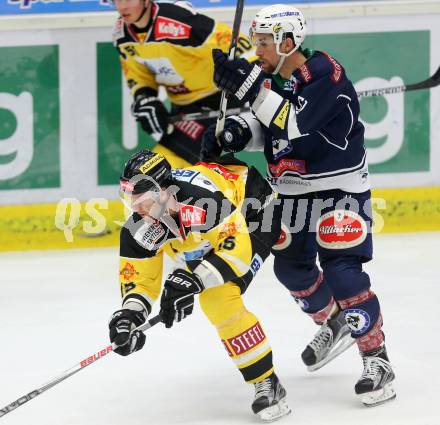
<point x="213" y="237"/>
<point x="173" y="51"/>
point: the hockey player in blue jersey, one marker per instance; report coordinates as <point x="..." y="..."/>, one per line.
<point x="305" y="117"/>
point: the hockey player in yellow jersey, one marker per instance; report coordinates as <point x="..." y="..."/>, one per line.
<point x="215" y="221"/>
<point x="169" y="45"/>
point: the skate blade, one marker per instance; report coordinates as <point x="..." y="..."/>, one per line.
<point x="275" y="412"/>
<point x="375" y="398"/>
<point x="343" y="344"/>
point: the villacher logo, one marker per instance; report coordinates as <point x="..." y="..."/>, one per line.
<point x="340" y="229"/>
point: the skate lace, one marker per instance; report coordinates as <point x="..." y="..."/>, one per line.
<point x="321" y="338"/>
<point x="263" y="388"/>
<point x="372" y="366"/>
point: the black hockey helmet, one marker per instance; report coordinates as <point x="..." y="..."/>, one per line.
<point x="145" y="171"/>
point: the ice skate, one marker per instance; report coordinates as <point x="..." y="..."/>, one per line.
<point x="332" y="339"/>
<point x="375" y="384"/>
<point x="270" y="399"/>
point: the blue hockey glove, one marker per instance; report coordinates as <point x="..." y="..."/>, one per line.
<point x="233" y="138"/>
<point x="238" y="77"/>
<point x="177" y="300"/>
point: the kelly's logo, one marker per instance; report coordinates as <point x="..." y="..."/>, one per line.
<point x="169" y="28"/>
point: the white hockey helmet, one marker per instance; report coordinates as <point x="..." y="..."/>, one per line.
<point x="280" y="20"/>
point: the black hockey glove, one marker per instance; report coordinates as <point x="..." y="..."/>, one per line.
<point x="151" y="113"/>
<point x="210" y="147"/>
<point x="121" y="323"/>
<point x="238" y="77"/>
<point x="177" y="300"/>
<point x="233" y="138"/>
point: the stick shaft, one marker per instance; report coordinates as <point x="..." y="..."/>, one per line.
<point x="431" y="82"/>
<point x="232" y="47"/>
<point x="68" y="373"/>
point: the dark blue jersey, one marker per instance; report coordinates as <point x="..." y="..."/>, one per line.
<point x="313" y="139"/>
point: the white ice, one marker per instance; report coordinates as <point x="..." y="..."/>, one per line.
<point x="54" y="308"/>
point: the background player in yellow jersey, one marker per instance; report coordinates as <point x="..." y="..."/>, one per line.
<point x="169" y="45"/>
<point x="215" y="222"/>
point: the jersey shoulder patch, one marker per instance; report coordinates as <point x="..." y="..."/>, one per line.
<point x="151" y="236"/>
<point x="322" y="64"/>
<point x="140" y="239"/>
<point x="178" y="23"/>
<point x="186" y="5"/>
<point x="181" y="10"/>
<point x="195" y="178"/>
<point x="167" y="27"/>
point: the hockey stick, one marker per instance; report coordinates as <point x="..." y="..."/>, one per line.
<point x="429" y="83"/>
<point x="68" y="373"/>
<point x="432" y="81"/>
<point x="235" y="33"/>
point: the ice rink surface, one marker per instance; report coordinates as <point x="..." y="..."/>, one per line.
<point x="54" y="308"/>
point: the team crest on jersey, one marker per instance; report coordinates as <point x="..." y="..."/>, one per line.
<point x="340" y="229"/>
<point x="170" y="28"/>
<point x="357" y="320"/>
<point x="190" y="215"/>
<point x="281" y="147"/>
<point x="301" y="104"/>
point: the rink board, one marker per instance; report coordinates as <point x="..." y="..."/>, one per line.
<point x="66" y="128"/>
<point x="97" y="223"/>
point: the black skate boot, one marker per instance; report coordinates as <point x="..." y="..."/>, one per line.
<point x="375" y="384"/>
<point x="270" y="399"/>
<point x="332" y="339"/>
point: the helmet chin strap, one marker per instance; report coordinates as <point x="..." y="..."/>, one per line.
<point x="283" y="57"/>
<point x="280" y="64"/>
<point x="144" y="10"/>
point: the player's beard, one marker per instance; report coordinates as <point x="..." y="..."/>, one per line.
<point x="268" y="68"/>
